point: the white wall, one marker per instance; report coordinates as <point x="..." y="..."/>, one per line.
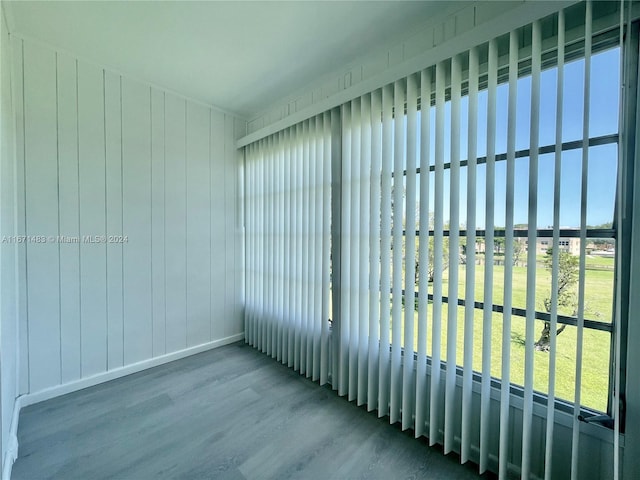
<point x="440" y="38"/>
<point x="100" y="154"/>
<point x="8" y="251"/>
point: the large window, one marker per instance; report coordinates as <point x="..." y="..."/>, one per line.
<point x="598" y="268"/>
<point x="445" y="248"/>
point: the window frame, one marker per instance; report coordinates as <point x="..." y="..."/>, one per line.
<point x="602" y="41"/>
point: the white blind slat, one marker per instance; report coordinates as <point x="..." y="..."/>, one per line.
<point x="271" y="248"/>
<point x="288" y="297"/>
<point x="450" y="406"/>
<point x="410" y="255"/>
<point x="619" y="217"/>
<point x="487" y="314"/>
<point x="505" y="388"/>
<point x="335" y="345"/>
<point x="346" y="297"/>
<point x="434" y="413"/>
<point x="299" y="234"/>
<point x="292" y="257"/>
<point x="326" y="247"/>
<point x="527" y="414"/>
<point x="306" y="240"/>
<point x="317" y="291"/>
<point x="354" y="312"/>
<point x="280" y="252"/>
<point x="470" y="280"/>
<point x="398" y="240"/>
<point x="374" y="239"/>
<point x="423" y="256"/>
<point x="363" y="247"/>
<point x="385" y="249"/>
<point x="263" y="238"/>
<point x="583" y="240"/>
<point x="556" y="254"/>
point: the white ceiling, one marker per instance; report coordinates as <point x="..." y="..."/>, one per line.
<point x="240" y="56"/>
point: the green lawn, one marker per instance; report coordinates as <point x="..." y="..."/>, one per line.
<point x="595" y="261"/>
<point x="596" y="345"/>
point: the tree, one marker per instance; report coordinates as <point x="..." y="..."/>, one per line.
<point x="518" y="250"/>
<point x="445" y="258"/>
<point x="431" y="260"/>
<point x="568" y="268"/>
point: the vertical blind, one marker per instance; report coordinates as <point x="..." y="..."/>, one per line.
<point x="287" y="235"/>
<point x="431" y="170"/>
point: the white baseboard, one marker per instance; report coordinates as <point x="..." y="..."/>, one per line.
<point x="29" y="399"/>
<point x="76" y="385"/>
<point x="12" y="448"/>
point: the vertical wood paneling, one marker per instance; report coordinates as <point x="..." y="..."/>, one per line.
<point x="233" y="294"/>
<point x="175" y="224"/>
<point x="136" y="194"/>
<point x="69" y="201"/>
<point x="23" y="322"/>
<point x="198" y="246"/>
<point x="91" y="171"/>
<point x="158" y="221"/>
<point x="8" y="251"/>
<point x="218" y="235"/>
<point x="233" y="214"/>
<point x="113" y="150"/>
<point x="135" y="197"/>
<point x="41" y="209"/>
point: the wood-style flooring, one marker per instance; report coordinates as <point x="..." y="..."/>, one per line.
<point x="229" y="413"/>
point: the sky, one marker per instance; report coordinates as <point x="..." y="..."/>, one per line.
<point x="602" y="162"/>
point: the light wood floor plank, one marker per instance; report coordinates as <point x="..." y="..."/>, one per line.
<point x="230" y="413"/>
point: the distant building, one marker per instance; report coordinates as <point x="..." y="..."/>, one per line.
<point x="567" y="244"/>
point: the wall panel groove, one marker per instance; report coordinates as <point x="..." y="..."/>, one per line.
<point x="113" y="179"/>
<point x="175" y="232"/>
<point x="23" y="323"/>
<point x="93" y="304"/>
<point x="41" y="211"/>
<point x="157" y="221"/>
<point x="198" y="218"/>
<point x="136" y="190"/>
<point x="69" y="225"/>
<point x="9" y="285"/>
<point x="133" y="192"/>
<point x="219" y="279"/>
